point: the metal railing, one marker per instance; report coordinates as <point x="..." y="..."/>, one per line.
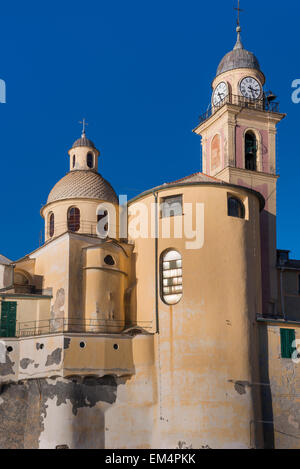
<point x="86" y="227"/>
<point x="261" y="104"/>
<point x="89" y="326"/>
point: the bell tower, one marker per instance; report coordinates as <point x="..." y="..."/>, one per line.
<point x="239" y="145"/>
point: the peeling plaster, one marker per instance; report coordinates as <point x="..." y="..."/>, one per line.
<point x="7" y="367"/>
<point x="54" y="358"/>
<point x="25" y="362"/>
<point x="57" y="310"/>
<point x="31" y="409"/>
<point x="240" y="386"/>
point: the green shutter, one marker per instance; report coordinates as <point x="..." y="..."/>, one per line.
<point x="8" y="318"/>
<point x="287" y="337"/>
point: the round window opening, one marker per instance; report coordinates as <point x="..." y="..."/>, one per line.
<point x="82" y="344"/>
<point x="9" y="349"/>
<point x="116" y="347"/>
<point x="109" y="260"/>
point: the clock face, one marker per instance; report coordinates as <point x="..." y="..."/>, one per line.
<point x="220" y="93"/>
<point x="250" y="88"/>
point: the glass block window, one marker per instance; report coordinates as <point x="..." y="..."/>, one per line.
<point x="171" y="206"/>
<point x="171" y="277"/>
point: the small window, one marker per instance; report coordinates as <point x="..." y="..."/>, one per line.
<point x="51" y="225"/>
<point x="171" y="277"/>
<point x="73" y="219"/>
<point x="90" y="160"/>
<point x="250" y="151"/>
<point x="74" y="160"/>
<point x="171" y="206"/>
<point x="109" y="260"/>
<point x="236" y="208"/>
<point x="282" y="257"/>
<point x="287" y="337"/>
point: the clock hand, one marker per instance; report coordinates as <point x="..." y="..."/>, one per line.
<point x="252" y="90"/>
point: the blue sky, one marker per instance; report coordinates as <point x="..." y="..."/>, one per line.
<point x="140" y="73"/>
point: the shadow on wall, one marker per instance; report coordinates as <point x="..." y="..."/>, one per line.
<point x="265" y="389"/>
<point x="62" y="413"/>
<point x="130" y="299"/>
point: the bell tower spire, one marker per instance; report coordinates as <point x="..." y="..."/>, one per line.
<point x="238" y="44"/>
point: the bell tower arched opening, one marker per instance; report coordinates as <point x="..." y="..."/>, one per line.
<point x="250" y="151"/>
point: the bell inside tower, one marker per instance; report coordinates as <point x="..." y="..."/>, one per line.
<point x="250" y="151"/>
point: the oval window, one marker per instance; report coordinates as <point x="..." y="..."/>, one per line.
<point x="109" y="260"/>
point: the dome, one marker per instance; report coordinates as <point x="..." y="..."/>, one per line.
<point x="83" y="142"/>
<point x="238" y="58"/>
<point x="83" y="184"/>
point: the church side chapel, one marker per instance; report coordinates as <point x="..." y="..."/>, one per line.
<point x="123" y="342"/>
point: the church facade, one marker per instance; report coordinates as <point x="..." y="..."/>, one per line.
<point x="168" y="323"/>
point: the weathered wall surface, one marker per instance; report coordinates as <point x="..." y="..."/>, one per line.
<point x="6" y="275"/>
<point x="84" y="412"/>
<point x="280" y="384"/>
<point x="43" y="413"/>
<point x="70" y="354"/>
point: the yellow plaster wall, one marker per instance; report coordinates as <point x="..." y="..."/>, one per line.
<point x="208" y="341"/>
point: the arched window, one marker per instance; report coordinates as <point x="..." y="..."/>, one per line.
<point x="20" y="278"/>
<point x="74" y="160"/>
<point x="100" y="217"/>
<point x="51" y="224"/>
<point x="90" y="160"/>
<point x="236" y="208"/>
<point x="250" y="151"/>
<point x="73" y="219"/>
<point x="171" y="277"/>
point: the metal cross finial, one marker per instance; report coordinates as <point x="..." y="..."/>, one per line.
<point x="84" y="123"/>
<point x="239" y="11"/>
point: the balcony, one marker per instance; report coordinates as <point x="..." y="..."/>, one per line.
<point x="75" y="325"/>
<point x="257" y="104"/>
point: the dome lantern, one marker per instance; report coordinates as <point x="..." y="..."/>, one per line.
<point x="83" y="154"/>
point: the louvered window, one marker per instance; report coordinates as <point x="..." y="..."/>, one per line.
<point x="287" y="337"/>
